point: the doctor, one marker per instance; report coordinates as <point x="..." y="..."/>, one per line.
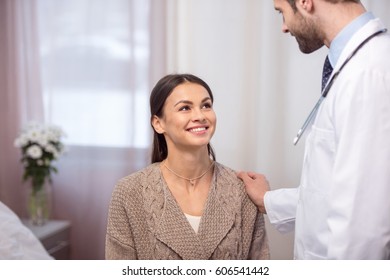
<point x="341" y="210"/>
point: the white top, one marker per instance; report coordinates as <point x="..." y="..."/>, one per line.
<point x="194" y="221"/>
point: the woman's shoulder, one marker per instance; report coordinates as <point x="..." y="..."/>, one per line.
<point x="133" y="181"/>
<point x="229" y="187"/>
<point x="137" y="191"/>
<point x="226" y="171"/>
<point x="228" y="176"/>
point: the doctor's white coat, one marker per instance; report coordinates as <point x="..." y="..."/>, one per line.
<point x="341" y="210"/>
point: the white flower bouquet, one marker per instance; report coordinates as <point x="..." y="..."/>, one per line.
<point x="40" y="145"/>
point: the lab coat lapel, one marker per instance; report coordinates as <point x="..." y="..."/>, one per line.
<point x="369" y="29"/>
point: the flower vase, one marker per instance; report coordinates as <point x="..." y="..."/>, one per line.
<point x="39" y="204"/>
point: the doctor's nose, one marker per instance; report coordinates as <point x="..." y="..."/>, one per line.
<point x="285" y="28"/>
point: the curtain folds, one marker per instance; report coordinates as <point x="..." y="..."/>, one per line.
<point x="86" y="173"/>
<point x="106" y="50"/>
<point x="21" y="97"/>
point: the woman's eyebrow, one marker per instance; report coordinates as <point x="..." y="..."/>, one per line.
<point x="183" y="101"/>
<point x="190" y="102"/>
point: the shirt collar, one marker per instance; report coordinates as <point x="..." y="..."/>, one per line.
<point x="340" y="41"/>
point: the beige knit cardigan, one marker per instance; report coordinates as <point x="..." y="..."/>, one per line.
<point x="145" y="221"/>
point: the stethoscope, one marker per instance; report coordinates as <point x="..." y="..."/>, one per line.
<point x="329" y="85"/>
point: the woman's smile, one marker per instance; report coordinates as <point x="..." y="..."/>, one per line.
<point x="199" y="130"/>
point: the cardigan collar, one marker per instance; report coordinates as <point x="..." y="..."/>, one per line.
<point x="172" y="227"/>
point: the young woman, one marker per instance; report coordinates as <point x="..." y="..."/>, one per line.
<point x="184" y="205"/>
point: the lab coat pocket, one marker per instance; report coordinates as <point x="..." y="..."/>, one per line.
<point x="315" y="186"/>
<point x="318" y="162"/>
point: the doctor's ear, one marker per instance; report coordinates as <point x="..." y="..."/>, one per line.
<point x="157" y="124"/>
<point x="305" y="5"/>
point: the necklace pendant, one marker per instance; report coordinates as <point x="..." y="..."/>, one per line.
<point x="193" y="180"/>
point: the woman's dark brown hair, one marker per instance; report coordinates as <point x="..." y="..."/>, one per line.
<point x="159" y="95"/>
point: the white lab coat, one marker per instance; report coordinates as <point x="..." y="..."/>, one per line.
<point x="341" y="210"/>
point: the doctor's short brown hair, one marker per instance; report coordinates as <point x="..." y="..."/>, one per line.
<point x="293" y="2"/>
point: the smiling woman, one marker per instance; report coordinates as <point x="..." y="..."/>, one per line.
<point x="184" y="205"/>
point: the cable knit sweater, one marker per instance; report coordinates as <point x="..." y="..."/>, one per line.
<point x="145" y="222"/>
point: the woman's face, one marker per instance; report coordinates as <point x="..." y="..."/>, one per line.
<point x="188" y="117"/>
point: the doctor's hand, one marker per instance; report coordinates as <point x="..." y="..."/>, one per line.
<point x="256" y="186"/>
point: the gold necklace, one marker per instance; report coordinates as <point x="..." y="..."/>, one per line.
<point x="191" y="180"/>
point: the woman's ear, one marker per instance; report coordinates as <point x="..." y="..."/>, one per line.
<point x="157" y="124"/>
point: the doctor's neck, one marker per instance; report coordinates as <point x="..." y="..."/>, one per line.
<point x="334" y="17"/>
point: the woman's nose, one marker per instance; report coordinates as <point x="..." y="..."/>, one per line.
<point x="198" y="115"/>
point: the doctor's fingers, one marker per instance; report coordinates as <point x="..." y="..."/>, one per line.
<point x="256" y="185"/>
<point x="250" y="174"/>
<point x="244" y="176"/>
<point x="252" y="178"/>
<point x="256" y="176"/>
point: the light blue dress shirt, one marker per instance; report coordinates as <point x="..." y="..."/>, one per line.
<point x="340" y="41"/>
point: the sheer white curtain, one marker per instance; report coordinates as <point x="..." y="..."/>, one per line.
<point x="97" y="75"/>
<point x="87" y="66"/>
<point x="20" y="92"/>
<point x="95" y="65"/>
<point x="263" y="86"/>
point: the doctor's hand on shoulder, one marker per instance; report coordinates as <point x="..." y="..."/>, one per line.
<point x="256" y="186"/>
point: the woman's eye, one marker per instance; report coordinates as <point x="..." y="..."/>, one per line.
<point x="184" y="108"/>
<point x="207" y="105"/>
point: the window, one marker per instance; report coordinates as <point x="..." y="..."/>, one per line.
<point x="95" y="70"/>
